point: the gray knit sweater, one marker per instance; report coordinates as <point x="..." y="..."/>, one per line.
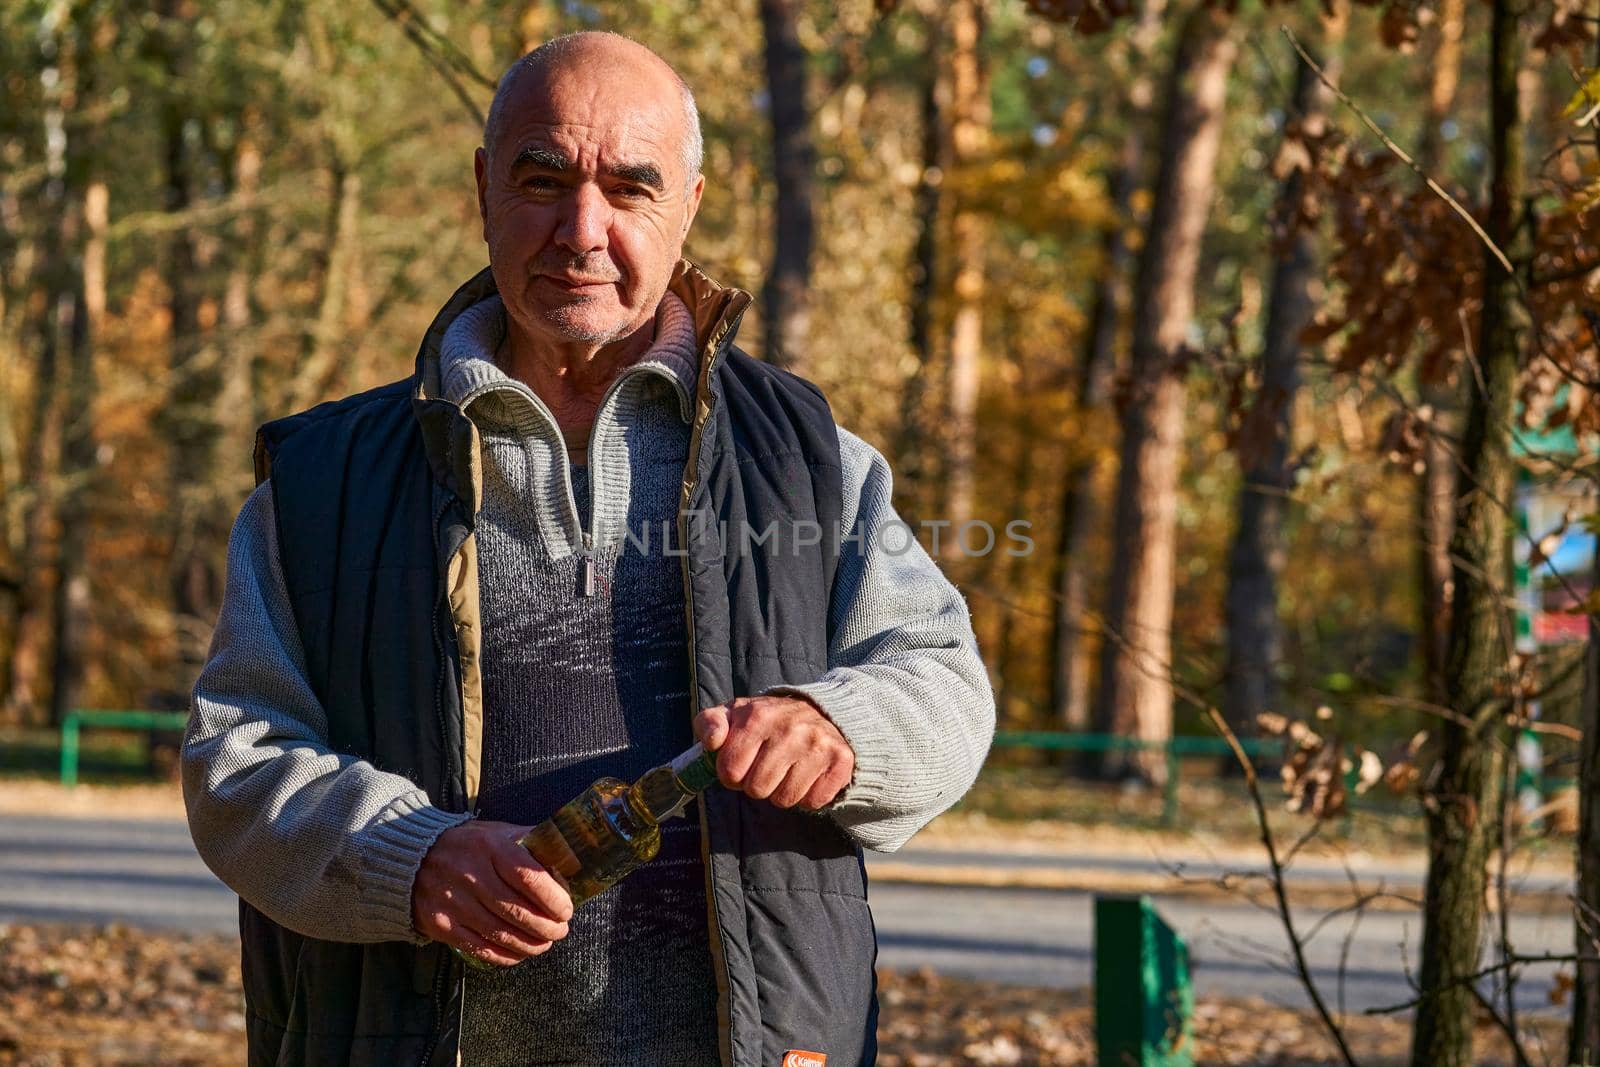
<point x="584" y="679"/>
<point x="328" y="845"/>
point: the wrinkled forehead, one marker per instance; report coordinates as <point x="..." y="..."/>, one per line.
<point x="591" y="111"/>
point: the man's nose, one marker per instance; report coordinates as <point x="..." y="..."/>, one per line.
<point x="587" y="219"/>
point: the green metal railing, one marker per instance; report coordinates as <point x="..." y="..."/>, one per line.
<point x="74" y="722"/>
<point x="1172" y="749"/>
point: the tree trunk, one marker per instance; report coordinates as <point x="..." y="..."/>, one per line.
<point x="786" y="298"/>
<point x="31" y="625"/>
<point x="1436" y="484"/>
<point x="199" y="520"/>
<point x="17" y="252"/>
<point x="914" y="454"/>
<point x="87" y="310"/>
<point x="969" y="140"/>
<point x="1256" y="559"/>
<point x="1444" y="77"/>
<point x="1135" y="697"/>
<point x="1464" y="792"/>
<point x="12" y="491"/>
<point x="238" y="405"/>
<point x="1583" y="1045"/>
<point x="321" y="343"/>
<point x="1011" y="569"/>
<point x="1583" y="1042"/>
<point x="1082" y="503"/>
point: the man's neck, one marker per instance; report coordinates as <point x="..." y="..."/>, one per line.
<point x="571" y="377"/>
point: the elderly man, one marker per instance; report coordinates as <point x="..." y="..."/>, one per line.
<point x="585" y="532"/>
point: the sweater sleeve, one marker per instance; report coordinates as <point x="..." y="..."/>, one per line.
<point x="905" y="683"/>
<point x="322" y="842"/>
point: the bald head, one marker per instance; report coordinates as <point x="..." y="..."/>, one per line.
<point x="594" y="54"/>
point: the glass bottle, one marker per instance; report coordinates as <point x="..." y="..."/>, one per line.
<point x="612" y="827"/>
<point x="606" y="831"/>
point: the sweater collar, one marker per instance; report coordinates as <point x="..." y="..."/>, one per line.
<point x="714" y="311"/>
<point x="468" y="369"/>
<point x="450" y="439"/>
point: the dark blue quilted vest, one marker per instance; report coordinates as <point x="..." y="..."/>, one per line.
<point x="376" y="495"/>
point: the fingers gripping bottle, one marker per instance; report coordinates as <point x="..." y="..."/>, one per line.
<point x="612" y="827"/>
<point x="606" y="831"/>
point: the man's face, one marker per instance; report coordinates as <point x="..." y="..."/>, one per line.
<point x="585" y="202"/>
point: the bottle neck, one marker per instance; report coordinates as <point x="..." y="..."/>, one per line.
<point x="662" y="792"/>
<point x="695" y="770"/>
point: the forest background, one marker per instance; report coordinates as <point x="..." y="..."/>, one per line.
<point x="1295" y="389"/>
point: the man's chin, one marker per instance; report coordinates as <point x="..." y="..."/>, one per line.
<point x="593" y="329"/>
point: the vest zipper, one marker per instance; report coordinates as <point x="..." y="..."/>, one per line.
<point x="472" y="809"/>
<point x="691" y="481"/>
<point x="438" y="709"/>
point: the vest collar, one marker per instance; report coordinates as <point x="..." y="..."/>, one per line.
<point x="449" y="436"/>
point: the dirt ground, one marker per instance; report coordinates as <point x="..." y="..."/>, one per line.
<point x="142" y="800"/>
<point x="113" y="997"/>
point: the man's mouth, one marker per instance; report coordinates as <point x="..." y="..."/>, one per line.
<point x="566" y="282"/>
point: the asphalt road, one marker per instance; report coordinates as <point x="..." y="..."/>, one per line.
<point x="146" y="873"/>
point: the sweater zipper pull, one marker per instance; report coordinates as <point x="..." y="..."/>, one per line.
<point x="586" y="567"/>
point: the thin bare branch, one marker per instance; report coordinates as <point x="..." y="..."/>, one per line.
<point x="1279" y="889"/>
<point x="1475" y="976"/>
<point x="446" y="60"/>
<point x="1400" y="153"/>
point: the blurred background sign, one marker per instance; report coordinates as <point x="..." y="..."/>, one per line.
<point x="1555" y="562"/>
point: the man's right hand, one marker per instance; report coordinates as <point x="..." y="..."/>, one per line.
<point x="483" y="893"/>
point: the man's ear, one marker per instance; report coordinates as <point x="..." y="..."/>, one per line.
<point x="693" y="206"/>
<point x="480" y="171"/>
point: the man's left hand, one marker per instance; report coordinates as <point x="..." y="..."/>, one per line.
<point x="777" y="748"/>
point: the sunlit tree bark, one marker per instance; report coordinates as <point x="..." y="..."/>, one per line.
<point x="969" y="139"/>
<point x="1436" y="483"/>
<point x="1135" y="698"/>
<point x="1464" y="791"/>
<point x="239" y="406"/>
<point x="1083" y="500"/>
<point x="916" y="460"/>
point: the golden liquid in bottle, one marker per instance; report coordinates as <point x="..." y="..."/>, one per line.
<point x="596" y="838"/>
<point x="609" y="829"/>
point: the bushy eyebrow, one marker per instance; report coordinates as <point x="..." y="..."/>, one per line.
<point x="645" y="173"/>
<point x="547" y="158"/>
<point x="639" y="173"/>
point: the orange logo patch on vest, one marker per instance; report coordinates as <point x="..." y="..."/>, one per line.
<point x="796" y="1057"/>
